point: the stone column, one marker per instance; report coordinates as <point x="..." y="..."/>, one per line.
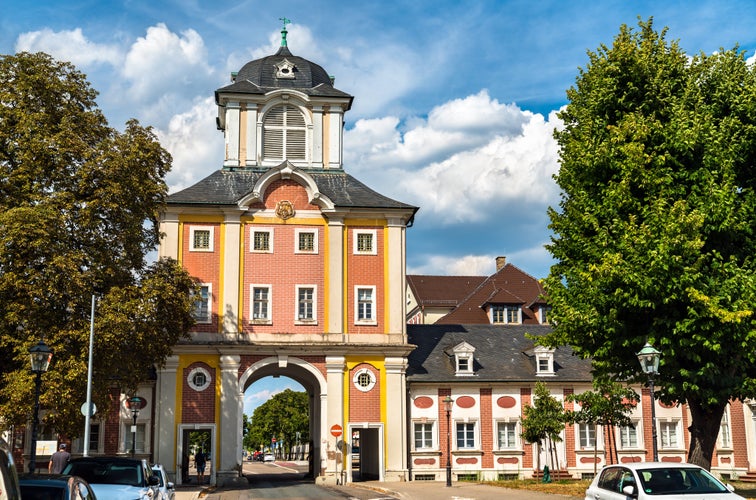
<point x="396" y="419"/>
<point x="165" y="417"/>
<point x="330" y="467"/>
<point x="228" y="452"/>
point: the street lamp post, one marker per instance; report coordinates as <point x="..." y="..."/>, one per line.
<point x="135" y="404"/>
<point x="40" y="360"/>
<point x="649" y="360"/>
<point x="448" y="403"/>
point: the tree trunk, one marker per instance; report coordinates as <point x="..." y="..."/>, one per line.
<point x="704" y="430"/>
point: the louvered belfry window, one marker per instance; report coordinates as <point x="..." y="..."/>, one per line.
<point x="284" y="134"/>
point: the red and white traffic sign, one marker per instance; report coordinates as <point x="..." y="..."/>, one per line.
<point x="336" y="430"/>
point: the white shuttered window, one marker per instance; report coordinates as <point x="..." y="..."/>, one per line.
<point x="284" y="134"/>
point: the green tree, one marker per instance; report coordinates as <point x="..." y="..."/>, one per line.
<point x="543" y="422"/>
<point x="283" y="416"/>
<point x="608" y="406"/>
<point x="654" y="235"/>
<point x="79" y="205"/>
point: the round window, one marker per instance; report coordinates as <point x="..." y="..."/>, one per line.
<point x="199" y="379"/>
<point x="364" y="380"/>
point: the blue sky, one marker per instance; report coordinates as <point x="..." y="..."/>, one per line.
<point x="454" y="104"/>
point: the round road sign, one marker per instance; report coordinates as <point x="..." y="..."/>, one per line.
<point x="336" y="430"/>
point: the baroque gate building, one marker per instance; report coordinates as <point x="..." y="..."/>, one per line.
<point x="302" y="271"/>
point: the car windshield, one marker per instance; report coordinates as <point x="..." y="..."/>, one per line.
<point x="43" y="492"/>
<point x="679" y="481"/>
<point x="106" y="473"/>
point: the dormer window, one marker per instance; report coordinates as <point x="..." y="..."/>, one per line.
<point x="544" y="361"/>
<point x="285" y="69"/>
<point x="543" y="314"/>
<point x="463" y="359"/>
<point x="505" y="314"/>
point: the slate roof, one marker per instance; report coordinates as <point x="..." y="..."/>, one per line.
<point x="502" y="354"/>
<point x="508" y="286"/>
<point x="228" y="186"/>
<point x="259" y="77"/>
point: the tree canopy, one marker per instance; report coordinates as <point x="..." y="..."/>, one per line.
<point x="543" y="421"/>
<point x="283" y="416"/>
<point x="654" y="233"/>
<point x="79" y="207"/>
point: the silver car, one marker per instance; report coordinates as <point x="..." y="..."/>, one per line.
<point x="657" y="481"/>
<point x="167" y="488"/>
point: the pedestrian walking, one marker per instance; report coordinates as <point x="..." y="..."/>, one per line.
<point x="58" y="460"/>
<point x="200" y="460"/>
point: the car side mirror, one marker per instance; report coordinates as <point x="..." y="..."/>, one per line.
<point x="153" y="481"/>
<point x="729" y="487"/>
<point x="170" y="485"/>
<point x="630" y="490"/>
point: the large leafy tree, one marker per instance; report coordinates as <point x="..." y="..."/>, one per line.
<point x="283" y="416"/>
<point x="654" y="234"/>
<point x="79" y="203"/>
<point x="543" y="422"/>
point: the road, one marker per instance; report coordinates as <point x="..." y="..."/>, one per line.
<point x="286" y="481"/>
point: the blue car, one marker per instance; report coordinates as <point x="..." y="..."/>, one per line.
<point x="116" y="478"/>
<point x="57" y="486"/>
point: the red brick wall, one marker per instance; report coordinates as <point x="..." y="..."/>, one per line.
<point x="738" y="433"/>
<point x="365" y="270"/>
<point x="113" y="423"/>
<point x="648" y="442"/>
<point x="442" y="427"/>
<point x="198" y="407"/>
<point x="486" y="428"/>
<point x="246" y="361"/>
<point x="204" y="266"/>
<point x="364" y="406"/>
<point x="525" y="400"/>
<point x="289" y="190"/>
<point x="569" y="430"/>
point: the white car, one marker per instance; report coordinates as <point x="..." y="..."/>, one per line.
<point x="269" y="457"/>
<point x="657" y="481"/>
<point x="167" y="488"/>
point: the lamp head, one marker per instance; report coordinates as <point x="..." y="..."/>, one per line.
<point x="40" y="356"/>
<point x="649" y="359"/>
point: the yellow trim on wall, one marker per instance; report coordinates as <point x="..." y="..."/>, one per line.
<point x="269" y="221"/>
<point x="184" y="361"/>
<point x="326" y="274"/>
<point x="386" y="282"/>
<point x="221" y="299"/>
<point x="379" y="363"/>
<point x="187" y="218"/>
<point x="180" y="246"/>
<point x="240" y="284"/>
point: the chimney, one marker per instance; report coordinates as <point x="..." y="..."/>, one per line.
<point x="500" y="262"/>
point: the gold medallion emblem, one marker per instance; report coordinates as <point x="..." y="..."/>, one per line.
<point x="284" y="209"/>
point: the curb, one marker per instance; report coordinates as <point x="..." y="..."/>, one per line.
<point x="377" y="489"/>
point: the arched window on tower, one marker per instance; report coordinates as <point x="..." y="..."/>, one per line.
<point x="284" y="134"/>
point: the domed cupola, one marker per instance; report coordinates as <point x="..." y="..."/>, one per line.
<point x="280" y="108"/>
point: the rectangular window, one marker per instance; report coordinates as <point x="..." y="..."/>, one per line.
<point x="262" y="240"/>
<point x="668" y="431"/>
<point x="628" y="436"/>
<point x="260" y="303"/>
<point x="365" y="304"/>
<point x="587" y="434"/>
<point x="306" y="241"/>
<point x="465" y="435"/>
<point x="305" y="304"/>
<point x="513" y="314"/>
<point x="94" y="436"/>
<point x="545" y="313"/>
<point x="201" y="239"/>
<point x="423" y="435"/>
<point x="724" y="432"/>
<point x="202" y="305"/>
<point x="364" y="242"/>
<point x="497" y="314"/>
<point x="507" y="434"/>
<point x="128" y="441"/>
<point x="501" y="314"/>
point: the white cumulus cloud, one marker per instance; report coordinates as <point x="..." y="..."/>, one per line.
<point x="69" y="45"/>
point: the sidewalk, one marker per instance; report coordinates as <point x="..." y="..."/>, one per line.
<point x="188" y="492"/>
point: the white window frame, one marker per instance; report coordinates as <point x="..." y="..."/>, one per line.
<point x="504" y="310"/>
<point x="374" y="238"/>
<point x="588" y="435"/>
<point x="628" y="433"/>
<point x="284" y="130"/>
<point x="96" y="437"/>
<point x="425" y="445"/>
<point x="297" y="319"/>
<point x="141" y="445"/>
<point x="211" y="242"/>
<point x="209" y="318"/>
<point x="364" y="373"/>
<point x="515" y="444"/>
<point x="461" y="358"/>
<point x="299" y="231"/>
<point x="373" y="320"/>
<point x="724" y="438"/>
<point x="544" y="355"/>
<point x="543" y="314"/>
<point x="192" y="379"/>
<point x="252" y="234"/>
<point x="666" y="438"/>
<point x="476" y="438"/>
<point x="269" y="318"/>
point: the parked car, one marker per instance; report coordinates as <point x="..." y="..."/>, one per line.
<point x="269" y="457"/>
<point x="54" y="486"/>
<point x="167" y="488"/>
<point x="258" y="456"/>
<point x="8" y="476"/>
<point x="657" y="481"/>
<point x="116" y="478"/>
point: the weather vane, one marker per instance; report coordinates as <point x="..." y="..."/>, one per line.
<point x="283" y="31"/>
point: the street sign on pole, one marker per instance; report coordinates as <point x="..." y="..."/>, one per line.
<point x="336" y="430"/>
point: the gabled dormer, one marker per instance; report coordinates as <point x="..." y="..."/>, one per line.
<point x="544" y="361"/>
<point x="463" y="355"/>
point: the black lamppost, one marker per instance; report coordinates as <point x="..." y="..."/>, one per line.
<point x="40" y="360"/>
<point x="135" y="404"/>
<point x="649" y="360"/>
<point x="448" y="403"/>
